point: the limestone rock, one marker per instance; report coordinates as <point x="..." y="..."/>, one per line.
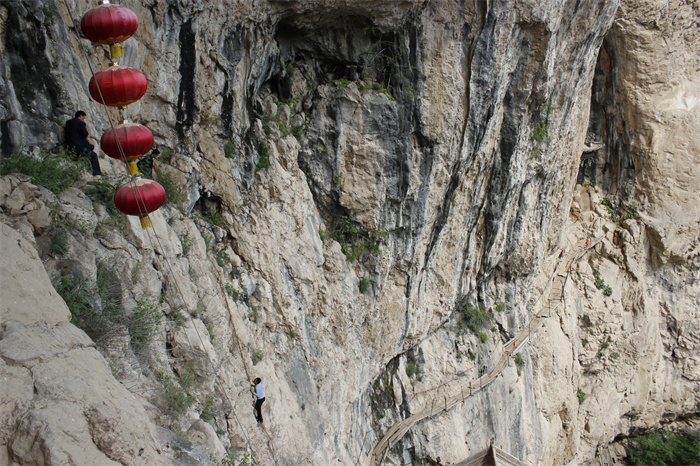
<point x="27" y="293"/>
<point x="352" y="174"/>
<point x="203" y="434"/>
<point x="63" y="405"/>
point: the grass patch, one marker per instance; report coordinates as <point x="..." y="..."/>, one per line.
<point x="56" y="171"/>
<point x="581" y="395"/>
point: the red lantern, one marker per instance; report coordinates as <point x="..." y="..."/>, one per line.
<point x="140" y="197"/>
<point x="109" y="24"/>
<point x="119" y="86"/>
<point x="135" y="141"/>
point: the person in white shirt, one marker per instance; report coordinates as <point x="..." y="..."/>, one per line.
<point x="256" y="389"/>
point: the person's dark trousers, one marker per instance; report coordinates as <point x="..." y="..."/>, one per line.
<point x="258" y="410"/>
<point x="94" y="161"/>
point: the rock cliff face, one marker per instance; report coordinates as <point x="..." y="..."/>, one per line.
<point x="358" y="182"/>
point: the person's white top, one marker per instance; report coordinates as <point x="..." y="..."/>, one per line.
<point x="259" y="393"/>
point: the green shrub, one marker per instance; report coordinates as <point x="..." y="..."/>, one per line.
<point x="253" y="315"/>
<point x="229" y="149"/>
<point x="476" y="318"/>
<point x="50" y="13"/>
<point x="231" y="291"/>
<point x="631" y="212"/>
<point x="207" y="413"/>
<point x="483" y="336"/>
<point x="298" y="131"/>
<point x="581" y="396"/>
<point x="500" y="307"/>
<point x="171" y="186"/>
<point x="178" y="400"/>
<point x="365" y="283"/>
<point x="665" y="448"/>
<point x="76" y="297"/>
<point x="264" y="161"/>
<point x="541" y="132"/>
<point x="102" y="191"/>
<point x="166" y="155"/>
<point x="210" y="329"/>
<point x="96" y="315"/>
<point x="519" y="363"/>
<point x="215" y="218"/>
<point x="144" y="322"/>
<point x="59" y="242"/>
<point x="355" y="243"/>
<point x="231" y="459"/>
<point x="256" y="356"/>
<point x="283" y="128"/>
<point x="412" y="369"/>
<point x="54" y="171"/>
<point x="608" y="291"/>
<point x="187" y="377"/>
<point x="186" y="242"/>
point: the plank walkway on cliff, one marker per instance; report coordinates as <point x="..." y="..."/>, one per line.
<point x="554" y="292"/>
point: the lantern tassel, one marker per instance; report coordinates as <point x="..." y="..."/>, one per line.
<point x="145" y="222"/>
<point x="116" y="50"/>
<point x="132" y="168"/>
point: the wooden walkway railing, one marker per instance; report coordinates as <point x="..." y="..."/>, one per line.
<point x="554" y="290"/>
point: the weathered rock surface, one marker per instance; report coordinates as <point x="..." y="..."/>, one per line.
<point x="27" y="293"/>
<point x="351" y="174"/>
<point x="61" y="404"/>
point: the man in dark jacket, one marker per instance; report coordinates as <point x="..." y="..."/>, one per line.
<point x="76" y="139"/>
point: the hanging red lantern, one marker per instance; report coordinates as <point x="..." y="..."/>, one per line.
<point x="119" y="86"/>
<point x="109" y="24"/>
<point x="140" y="197"/>
<point x="135" y="142"/>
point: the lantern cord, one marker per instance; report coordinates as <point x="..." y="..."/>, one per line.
<point x="140" y="204"/>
